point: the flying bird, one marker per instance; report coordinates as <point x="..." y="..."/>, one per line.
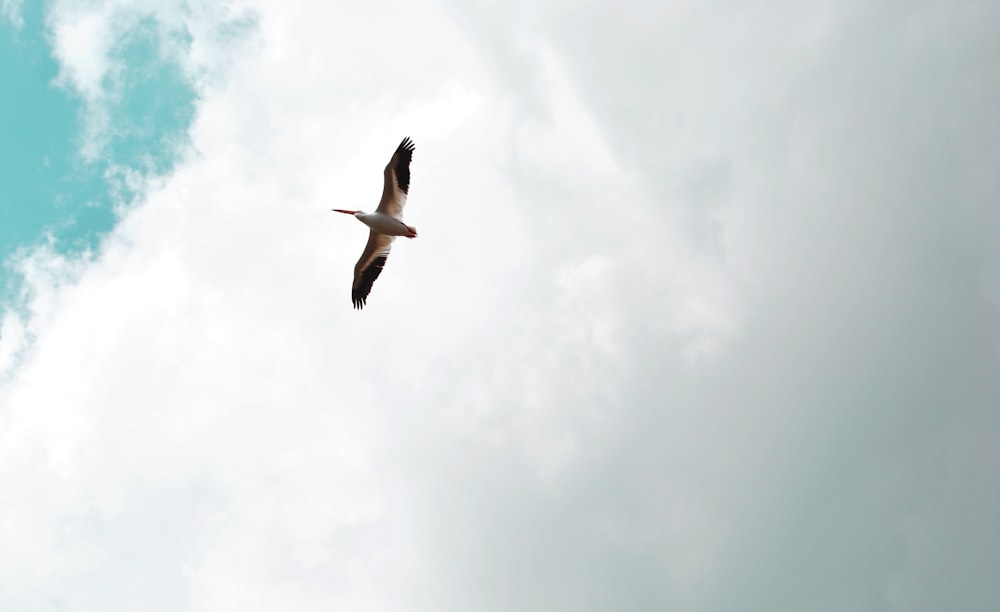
<point x="385" y="223"/>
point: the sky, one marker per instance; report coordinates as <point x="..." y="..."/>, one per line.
<point x="704" y="314"/>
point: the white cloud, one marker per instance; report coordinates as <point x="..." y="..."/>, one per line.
<point x="82" y="43"/>
<point x="605" y="197"/>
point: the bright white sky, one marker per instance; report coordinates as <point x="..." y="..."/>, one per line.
<point x="704" y="316"/>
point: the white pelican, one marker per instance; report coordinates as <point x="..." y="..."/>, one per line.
<point x="386" y="223"/>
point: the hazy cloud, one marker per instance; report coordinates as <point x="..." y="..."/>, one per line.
<point x="11" y="9"/>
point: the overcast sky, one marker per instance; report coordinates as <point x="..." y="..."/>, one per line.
<point x="704" y="314"/>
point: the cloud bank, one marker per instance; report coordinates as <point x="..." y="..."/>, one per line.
<point x="703" y="316"/>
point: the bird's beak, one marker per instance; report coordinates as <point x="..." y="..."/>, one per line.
<point x="346" y="212"/>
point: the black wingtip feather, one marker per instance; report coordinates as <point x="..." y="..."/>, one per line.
<point x="359" y="294"/>
<point x="404" y="154"/>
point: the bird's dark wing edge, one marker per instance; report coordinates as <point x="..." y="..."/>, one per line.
<point x="359" y="293"/>
<point x="369" y="266"/>
<point x="403" y="156"/>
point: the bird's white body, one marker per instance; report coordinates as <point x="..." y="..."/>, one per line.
<point x="385" y="224"/>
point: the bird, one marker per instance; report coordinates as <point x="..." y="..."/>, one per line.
<point x="384" y="224"/>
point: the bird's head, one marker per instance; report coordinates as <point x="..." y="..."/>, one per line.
<point x="347" y="212"/>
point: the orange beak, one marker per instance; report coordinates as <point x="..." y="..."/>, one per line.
<point x="346" y="212"/>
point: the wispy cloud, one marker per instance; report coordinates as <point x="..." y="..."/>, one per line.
<point x="91" y="40"/>
<point x="11" y="10"/>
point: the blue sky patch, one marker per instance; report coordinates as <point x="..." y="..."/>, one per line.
<point x="48" y="190"/>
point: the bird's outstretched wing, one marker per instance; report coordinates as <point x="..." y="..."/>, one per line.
<point x="397" y="180"/>
<point x="369" y="267"/>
